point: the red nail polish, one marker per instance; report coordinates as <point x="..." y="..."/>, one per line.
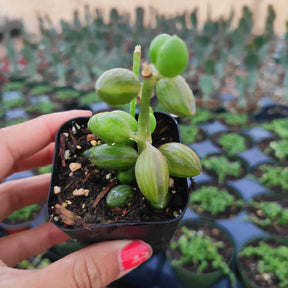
<point x="134" y="254"/>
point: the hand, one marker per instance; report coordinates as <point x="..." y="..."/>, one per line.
<point x="28" y="146"/>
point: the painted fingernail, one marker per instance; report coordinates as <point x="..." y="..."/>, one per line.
<point x="134" y="254"/>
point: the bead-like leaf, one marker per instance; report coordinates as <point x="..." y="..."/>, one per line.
<point x="152" y="176"/>
<point x="115" y="157"/>
<point x="155" y="45"/>
<point x="117" y="86"/>
<point x="113" y="127"/>
<point x="175" y="95"/>
<point x="172" y="57"/>
<point x="119" y="196"/>
<point x="182" y="161"/>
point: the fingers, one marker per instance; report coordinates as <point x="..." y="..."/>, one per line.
<point x="19" y="246"/>
<point x="95" y="266"/>
<point x="23" y="140"/>
<point x="23" y="192"/>
<point x="42" y="158"/>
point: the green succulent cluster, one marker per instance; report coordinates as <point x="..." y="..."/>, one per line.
<point x="279" y="148"/>
<point x="24" y="214"/>
<point x="274" y="176"/>
<point x="272" y="260"/>
<point x="273" y="213"/>
<point x="213" y="199"/>
<point x="232" y="143"/>
<point x="235" y="118"/>
<point x="201" y="250"/>
<point x="127" y="145"/>
<point x="279" y="127"/>
<point x="222" y="166"/>
<point x="40" y="261"/>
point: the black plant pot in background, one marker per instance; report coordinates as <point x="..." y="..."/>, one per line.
<point x="156" y="233"/>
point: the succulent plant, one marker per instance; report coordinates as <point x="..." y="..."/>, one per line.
<point x="128" y="146"/>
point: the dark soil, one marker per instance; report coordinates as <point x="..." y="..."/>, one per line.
<point x="271" y="229"/>
<point x="249" y="267"/>
<point x="92" y="208"/>
<point x="215" y="234"/>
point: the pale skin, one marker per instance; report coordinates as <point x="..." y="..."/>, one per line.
<point x="95" y="266"/>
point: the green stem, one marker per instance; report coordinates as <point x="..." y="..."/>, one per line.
<point x="136" y="69"/>
<point x="144" y="133"/>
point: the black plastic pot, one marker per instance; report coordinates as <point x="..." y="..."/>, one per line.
<point x="271" y="112"/>
<point x="157" y="234"/>
<point x="189" y="278"/>
<point x="244" y="268"/>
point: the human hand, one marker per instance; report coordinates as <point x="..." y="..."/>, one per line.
<point x="28" y="146"/>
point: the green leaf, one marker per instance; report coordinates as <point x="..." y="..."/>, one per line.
<point x="118" y="196"/>
<point x="115" y="157"/>
<point x="118" y="86"/>
<point x="175" y="95"/>
<point x="182" y="161"/>
<point x="152" y="175"/>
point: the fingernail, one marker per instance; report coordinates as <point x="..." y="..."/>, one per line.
<point x="134" y="254"/>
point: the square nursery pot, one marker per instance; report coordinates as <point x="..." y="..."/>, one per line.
<point x="154" y="226"/>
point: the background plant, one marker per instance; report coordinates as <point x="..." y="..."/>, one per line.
<point x="232" y="143"/>
<point x="24" y="214"/>
<point x="270" y="259"/>
<point x="273" y="213"/>
<point x="213" y="200"/>
<point x="222" y="166"/>
<point x="278" y="126"/>
<point x="201" y="250"/>
<point x="189" y="133"/>
<point x="274" y="176"/>
<point x="235" y="119"/>
<point x="278" y="148"/>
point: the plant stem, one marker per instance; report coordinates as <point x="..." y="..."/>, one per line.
<point x="144" y="134"/>
<point x="136" y="69"/>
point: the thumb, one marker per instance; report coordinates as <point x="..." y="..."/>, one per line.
<point x="95" y="266"/>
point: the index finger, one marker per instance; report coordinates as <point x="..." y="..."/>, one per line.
<point x="25" y="139"/>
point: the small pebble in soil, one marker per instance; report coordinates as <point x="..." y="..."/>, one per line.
<point x="81" y="192"/>
<point x="56" y="218"/>
<point x="67" y="154"/>
<point x="74" y="166"/>
<point x="74" y="131"/>
<point x="175" y="214"/>
<point x="56" y="190"/>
